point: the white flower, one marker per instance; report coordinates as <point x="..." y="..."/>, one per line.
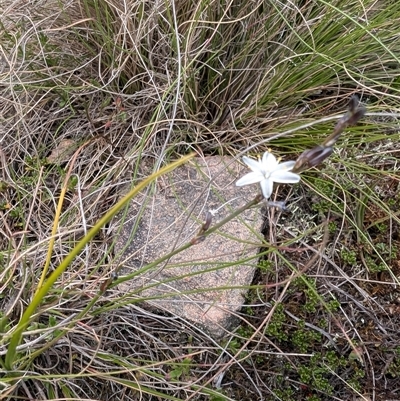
<point x="267" y="171"/>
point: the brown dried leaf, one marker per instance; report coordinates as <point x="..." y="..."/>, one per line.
<point x="63" y="151"/>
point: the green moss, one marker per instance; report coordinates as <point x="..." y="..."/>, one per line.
<point x="265" y="266"/>
<point x="304" y="339"/>
<point x="285" y="394"/>
<point x="373" y="265"/>
<point x="333" y="305"/>
<point x="312" y="297"/>
<point x="276" y="326"/>
<point x="348" y="257"/>
<point x="316" y="376"/>
<point x="332" y="227"/>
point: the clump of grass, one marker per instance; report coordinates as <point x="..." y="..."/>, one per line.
<point x="128" y="81"/>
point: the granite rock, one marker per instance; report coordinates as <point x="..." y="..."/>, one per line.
<point x="201" y="283"/>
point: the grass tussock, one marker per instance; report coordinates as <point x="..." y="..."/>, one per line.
<point x="91" y="89"/>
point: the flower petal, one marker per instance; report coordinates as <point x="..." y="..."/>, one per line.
<point x="254" y="165"/>
<point x="267" y="187"/>
<point x="249" y="178"/>
<point x="285" y="177"/>
<point x="269" y="161"/>
<point x="286" y="165"/>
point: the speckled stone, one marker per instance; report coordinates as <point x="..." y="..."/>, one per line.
<point x="200" y="283"/>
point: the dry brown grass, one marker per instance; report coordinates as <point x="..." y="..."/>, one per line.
<point x="123" y="81"/>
